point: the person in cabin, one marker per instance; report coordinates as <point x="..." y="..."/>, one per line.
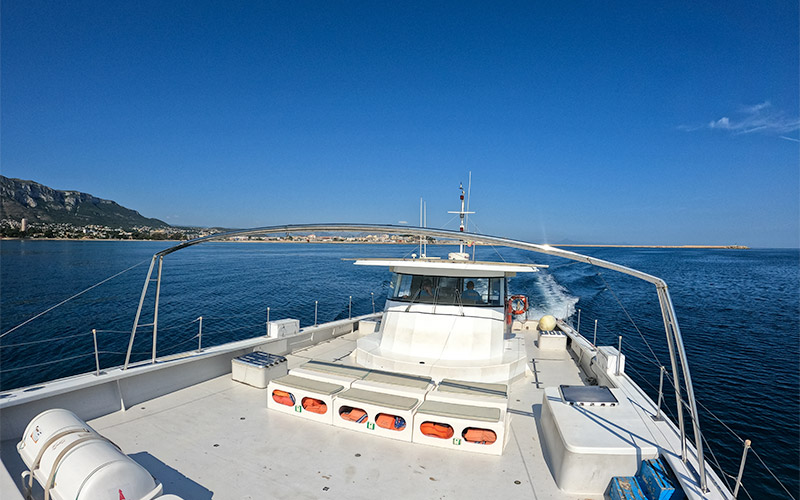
<point x="470" y="294"/>
<point x="426" y="292"/>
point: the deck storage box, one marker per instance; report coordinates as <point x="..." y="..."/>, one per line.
<point x="258" y="368"/>
<point x="625" y="488"/>
<point x="589" y="440"/>
<point x="283" y="328"/>
<point x="656" y="481"/>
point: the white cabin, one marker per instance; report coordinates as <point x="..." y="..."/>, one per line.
<point x="445" y="319"/>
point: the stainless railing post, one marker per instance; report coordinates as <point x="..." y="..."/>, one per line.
<point x="200" y="335"/>
<point x="316" y="303"/>
<point x="350" y="308"/>
<point x="155" y="310"/>
<point x="138" y="313"/>
<point x="660" y="392"/>
<point x="96" y="356"/>
<point x="373" y="301"/>
<point x="268" y="322"/>
<point x="675" y="376"/>
<point x="594" y="341"/>
<point x="579" y="322"/>
<point x="741" y="468"/>
<point x="619" y="354"/>
<point x="687" y="379"/>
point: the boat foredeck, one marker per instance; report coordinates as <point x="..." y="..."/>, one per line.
<point x="217" y="439"/>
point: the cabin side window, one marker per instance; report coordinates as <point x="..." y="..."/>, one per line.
<point x="447" y="290"/>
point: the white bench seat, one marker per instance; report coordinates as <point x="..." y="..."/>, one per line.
<point x="461" y="418"/>
<point x="395" y="383"/>
<point x="301" y="388"/>
<point x="471" y="393"/>
<point x="330" y="372"/>
<point x="375" y="404"/>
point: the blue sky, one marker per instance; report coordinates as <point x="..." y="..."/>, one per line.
<point x="640" y="122"/>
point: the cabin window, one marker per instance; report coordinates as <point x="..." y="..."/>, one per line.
<point x="448" y="290"/>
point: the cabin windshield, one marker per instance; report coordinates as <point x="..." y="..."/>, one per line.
<point x="447" y="290"/>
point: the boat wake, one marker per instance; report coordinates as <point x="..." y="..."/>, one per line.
<point x="552" y="298"/>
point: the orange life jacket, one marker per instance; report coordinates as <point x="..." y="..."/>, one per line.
<point x="355" y="415"/>
<point x="314" y="405"/>
<point x="283" y="397"/>
<point x="441" y="431"/>
<point x="481" y="436"/>
<point x="390" y="422"/>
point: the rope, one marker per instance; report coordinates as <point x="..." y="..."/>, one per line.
<point x="45" y="340"/>
<point x="257" y="325"/>
<point x="229" y="317"/>
<point x="608" y="287"/>
<point x="493" y="247"/>
<point x="67" y="300"/>
<point x="716" y="462"/>
<point x="747" y="492"/>
<point x="47" y="363"/>
<point x="640" y="353"/>
<point x="772" y="474"/>
<point x="151" y="352"/>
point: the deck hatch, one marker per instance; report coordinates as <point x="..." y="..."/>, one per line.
<point x="587" y="395"/>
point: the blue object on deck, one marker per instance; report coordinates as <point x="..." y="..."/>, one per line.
<point x="656" y="482"/>
<point x="625" y="488"/>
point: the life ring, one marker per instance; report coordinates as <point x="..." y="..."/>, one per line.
<point x="518" y="304"/>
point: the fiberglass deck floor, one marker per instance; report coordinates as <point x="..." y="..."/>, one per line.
<point x="218" y="440"/>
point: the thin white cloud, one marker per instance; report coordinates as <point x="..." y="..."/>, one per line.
<point x="760" y="117"/>
<point x="755" y="108"/>
<point x="790" y="138"/>
<point x="723" y="122"/>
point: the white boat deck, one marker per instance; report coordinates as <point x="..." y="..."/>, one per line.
<point x="217" y="439"/>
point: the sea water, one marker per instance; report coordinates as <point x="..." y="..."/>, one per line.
<point x="737" y="310"/>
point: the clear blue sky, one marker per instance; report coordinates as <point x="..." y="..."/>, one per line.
<point x="608" y="122"/>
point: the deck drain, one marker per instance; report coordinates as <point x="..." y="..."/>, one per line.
<point x="517" y="482"/>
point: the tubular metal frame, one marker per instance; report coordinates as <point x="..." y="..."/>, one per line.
<point x="677" y="350"/>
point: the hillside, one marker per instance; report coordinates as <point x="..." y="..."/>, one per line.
<point x="38" y="203"/>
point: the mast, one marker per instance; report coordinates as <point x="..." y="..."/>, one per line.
<point x="462" y="214"/>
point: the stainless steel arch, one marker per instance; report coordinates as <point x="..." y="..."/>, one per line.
<point x="673" y="333"/>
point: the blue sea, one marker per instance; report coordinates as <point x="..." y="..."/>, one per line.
<point x="739" y="312"/>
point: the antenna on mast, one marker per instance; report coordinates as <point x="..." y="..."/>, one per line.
<point x="421" y="224"/>
<point x="462" y="215"/>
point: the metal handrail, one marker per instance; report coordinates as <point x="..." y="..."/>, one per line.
<point x="677" y="351"/>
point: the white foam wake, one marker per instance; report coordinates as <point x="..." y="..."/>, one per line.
<point x="555" y="299"/>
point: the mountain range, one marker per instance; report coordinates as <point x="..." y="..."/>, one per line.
<point x="39" y="203"/>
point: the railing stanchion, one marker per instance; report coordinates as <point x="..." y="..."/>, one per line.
<point x="741" y="468"/>
<point x="579" y="322"/>
<point x="619" y="354"/>
<point x="267" y="321"/>
<point x="316" y="303"/>
<point x="155" y="310"/>
<point x="594" y="342"/>
<point x="373" y="301"/>
<point x="200" y="335"/>
<point x="660" y="392"/>
<point x="350" y="308"/>
<point x="96" y="355"/>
